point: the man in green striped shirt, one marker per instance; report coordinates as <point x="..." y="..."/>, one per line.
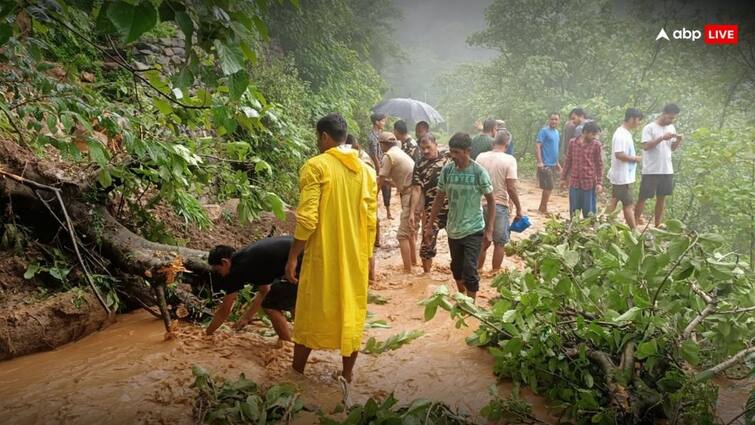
<point x="463" y="182"/>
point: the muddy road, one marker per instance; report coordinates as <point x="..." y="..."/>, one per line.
<point x="128" y="374"/>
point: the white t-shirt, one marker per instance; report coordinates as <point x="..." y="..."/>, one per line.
<point x="500" y="166"/>
<point x="658" y="159"/>
<point x="622" y="172"/>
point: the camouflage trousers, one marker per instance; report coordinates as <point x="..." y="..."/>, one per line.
<point x="427" y="249"/>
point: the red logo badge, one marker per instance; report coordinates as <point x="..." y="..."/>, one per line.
<point x="721" y="34"/>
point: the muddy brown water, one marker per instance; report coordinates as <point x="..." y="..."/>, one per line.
<point x="129" y="374"/>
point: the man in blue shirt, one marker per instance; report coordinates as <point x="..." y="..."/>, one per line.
<point x="546" y="152"/>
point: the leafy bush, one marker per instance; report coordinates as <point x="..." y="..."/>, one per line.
<point x="389" y="412"/>
<point x="613" y="326"/>
<point x="241" y="401"/>
<point x="715" y="186"/>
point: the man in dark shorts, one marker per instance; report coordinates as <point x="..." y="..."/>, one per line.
<point x="546" y="152"/>
<point x="659" y="140"/>
<point x="463" y="182"/>
<point x="261" y="264"/>
<point x="623" y="166"/>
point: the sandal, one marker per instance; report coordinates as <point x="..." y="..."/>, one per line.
<point x="345" y="390"/>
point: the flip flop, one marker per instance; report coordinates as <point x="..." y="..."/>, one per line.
<point x="344" y="384"/>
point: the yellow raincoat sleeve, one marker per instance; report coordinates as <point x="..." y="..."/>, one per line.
<point x="370" y="202"/>
<point x="307" y="214"/>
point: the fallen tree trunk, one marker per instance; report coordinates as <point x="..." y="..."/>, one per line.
<point x="48" y="199"/>
<point x="128" y="251"/>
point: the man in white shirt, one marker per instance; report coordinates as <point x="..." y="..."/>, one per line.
<point x="659" y="139"/>
<point x="624" y="166"/>
<point x="502" y="170"/>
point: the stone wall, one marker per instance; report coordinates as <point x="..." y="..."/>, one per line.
<point x="168" y="52"/>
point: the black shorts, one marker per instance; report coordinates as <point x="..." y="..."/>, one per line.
<point x="282" y="296"/>
<point x="653" y="185"/>
<point x="546" y="177"/>
<point x="464" y="255"/>
<point x="623" y="193"/>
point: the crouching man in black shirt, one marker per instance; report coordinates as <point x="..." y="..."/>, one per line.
<point x="261" y="264"/>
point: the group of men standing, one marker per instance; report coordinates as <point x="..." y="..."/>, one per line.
<point x="322" y="272"/>
<point x="582" y="168"/>
<point x="416" y="170"/>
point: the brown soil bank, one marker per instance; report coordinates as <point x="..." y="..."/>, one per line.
<point x="49" y="324"/>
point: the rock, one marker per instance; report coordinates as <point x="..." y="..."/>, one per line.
<point x="145" y="52"/>
<point x="57" y="72"/>
<point x="168" y="51"/>
<point x="176" y="60"/>
<point x="214" y="211"/>
<point x="110" y="66"/>
<point x="87" y="77"/>
<point x="179" y="51"/>
<point x="142" y="46"/>
<point x="139" y="66"/>
<point x="163" y="60"/>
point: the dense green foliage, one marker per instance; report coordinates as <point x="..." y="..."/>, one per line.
<point x="604" y="58"/>
<point x="234" y="120"/>
<point x="331" y="42"/>
<point x="613" y="326"/>
<point x="221" y="401"/>
<point x="389" y="411"/>
<point x="715" y="186"/>
<point x="550" y="60"/>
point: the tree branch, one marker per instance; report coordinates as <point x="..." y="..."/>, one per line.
<point x="724" y="365"/>
<point x="627" y="358"/>
<point x="708" y="310"/>
<point x="668" y="275"/>
<point x="737" y="311"/>
<point x="697" y="320"/>
<point x="704" y="295"/>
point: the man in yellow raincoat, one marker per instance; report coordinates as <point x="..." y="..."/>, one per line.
<point x="335" y="228"/>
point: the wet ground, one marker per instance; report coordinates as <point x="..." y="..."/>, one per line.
<point x="128" y="374"/>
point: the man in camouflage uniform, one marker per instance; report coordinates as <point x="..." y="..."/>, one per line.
<point x="425" y="185"/>
<point x="408" y="145"/>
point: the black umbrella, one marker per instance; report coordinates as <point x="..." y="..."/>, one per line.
<point x="408" y="109"/>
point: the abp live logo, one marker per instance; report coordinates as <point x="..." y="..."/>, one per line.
<point x="714" y="34"/>
<point x="721" y="34"/>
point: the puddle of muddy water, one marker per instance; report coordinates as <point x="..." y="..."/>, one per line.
<point x="128" y="374"/>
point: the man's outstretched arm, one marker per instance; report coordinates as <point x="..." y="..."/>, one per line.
<point x="222" y="313"/>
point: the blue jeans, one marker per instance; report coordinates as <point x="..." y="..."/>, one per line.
<point x="501" y="226"/>
<point x="584" y="200"/>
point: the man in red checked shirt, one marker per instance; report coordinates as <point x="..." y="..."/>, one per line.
<point x="583" y="170"/>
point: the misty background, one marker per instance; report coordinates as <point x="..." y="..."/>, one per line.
<point x="433" y="37"/>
